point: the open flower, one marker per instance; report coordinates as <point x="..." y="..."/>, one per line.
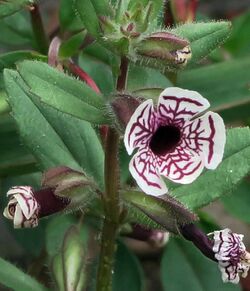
<point x="230" y="251"/>
<point x="173" y="140"/>
<point x="22" y="208"/>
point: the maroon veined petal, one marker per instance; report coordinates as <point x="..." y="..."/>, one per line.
<point x="206" y="135"/>
<point x="141" y="126"/>
<point x="177" y="105"/>
<point x="143" y="168"/>
<point x="25" y="198"/>
<point x="231" y="254"/>
<point x="181" y="166"/>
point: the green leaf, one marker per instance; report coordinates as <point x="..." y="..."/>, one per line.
<point x="16" y="30"/>
<point x="63" y="92"/>
<point x="72" y="45"/>
<point x="224" y="90"/>
<point x="9" y="7"/>
<point x="69" y="20"/>
<point x="157" y="6"/>
<point x="88" y="15"/>
<point x="99" y="71"/>
<point x="238" y="203"/>
<point x="8" y="60"/>
<point x="185" y="268"/>
<point x="14" y="278"/>
<point x="4" y="106"/>
<point x="121" y="7"/>
<point x="15" y="159"/>
<point x="164" y="211"/>
<point x="61" y="140"/>
<point x="239" y="42"/>
<point x="102" y="7"/>
<point x="99" y="53"/>
<point x="45" y="143"/>
<point x="128" y="274"/>
<point x="236" y="114"/>
<point x="203" y="37"/>
<point x="213" y="184"/>
<point x="81" y="140"/>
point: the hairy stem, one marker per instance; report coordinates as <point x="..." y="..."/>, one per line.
<point x="38" y="29"/>
<point x="111" y="199"/>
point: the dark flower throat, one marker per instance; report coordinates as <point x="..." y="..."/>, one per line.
<point x="165" y="139"/>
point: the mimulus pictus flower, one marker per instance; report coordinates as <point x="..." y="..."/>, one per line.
<point x="173" y="140"/>
<point x="22" y="207"/>
<point x="230" y="251"/>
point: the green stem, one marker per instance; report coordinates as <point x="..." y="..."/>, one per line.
<point x="106" y="260"/>
<point x="111" y="199"/>
<point x="38" y="29"/>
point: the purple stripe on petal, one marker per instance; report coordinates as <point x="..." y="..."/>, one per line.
<point x="140" y="127"/>
<point x="143" y="168"/>
<point x="211" y="137"/>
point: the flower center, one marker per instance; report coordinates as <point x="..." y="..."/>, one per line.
<point x="165" y="139"/>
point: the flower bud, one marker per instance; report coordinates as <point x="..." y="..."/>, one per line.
<point x="63" y="189"/>
<point x="26" y="206"/>
<point x="165" y="46"/>
<point x="68" y="266"/>
<point x="70" y="184"/>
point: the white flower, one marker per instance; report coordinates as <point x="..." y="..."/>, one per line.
<point x="173" y="140"/>
<point x="230" y="251"/>
<point x="22" y="207"/>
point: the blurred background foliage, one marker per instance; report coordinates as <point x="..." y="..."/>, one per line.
<point x="223" y="77"/>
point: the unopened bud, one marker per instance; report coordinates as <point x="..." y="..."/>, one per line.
<point x="165" y="46"/>
<point x="70" y="184"/>
<point x="26" y="205"/>
<point x="68" y="266"/>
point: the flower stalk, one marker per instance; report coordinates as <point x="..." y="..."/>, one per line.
<point x="111" y="198"/>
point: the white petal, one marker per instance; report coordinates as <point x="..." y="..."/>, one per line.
<point x="206" y="135"/>
<point x="6" y="213"/>
<point x="181" y="166"/>
<point x="177" y="105"/>
<point x="19" y="217"/>
<point x="141" y="126"/>
<point x="229" y="274"/>
<point x="143" y="168"/>
<point x="26" y="190"/>
<point x="27" y="203"/>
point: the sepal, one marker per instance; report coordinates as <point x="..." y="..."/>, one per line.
<point x="167" y="213"/>
<point x="70" y="184"/>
